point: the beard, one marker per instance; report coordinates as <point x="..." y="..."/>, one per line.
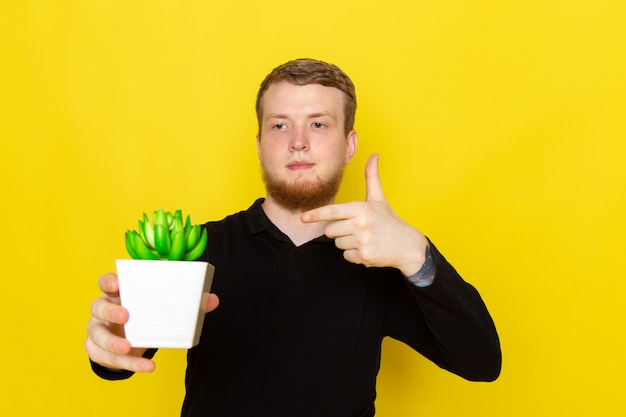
<point x="302" y="194"/>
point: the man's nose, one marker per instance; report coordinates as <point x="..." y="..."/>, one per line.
<point x="299" y="140"/>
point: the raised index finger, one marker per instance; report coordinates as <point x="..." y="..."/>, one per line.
<point x="329" y="213"/>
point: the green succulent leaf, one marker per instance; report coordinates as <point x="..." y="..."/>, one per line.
<point x="159" y="217"/>
<point x="193" y="237"/>
<point x="197" y="251"/>
<point x="146" y="232"/>
<point x="142" y="233"/>
<point x="177" y="251"/>
<point x="129" y="245"/>
<point x="141" y="249"/>
<point x="177" y="225"/>
<point x="187" y="227"/>
<point x="162" y="242"/>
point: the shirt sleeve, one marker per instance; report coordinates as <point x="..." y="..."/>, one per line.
<point x="446" y="321"/>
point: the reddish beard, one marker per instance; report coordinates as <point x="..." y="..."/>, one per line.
<point x="302" y="194"/>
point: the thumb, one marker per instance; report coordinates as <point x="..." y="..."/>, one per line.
<point x="373" y="187"/>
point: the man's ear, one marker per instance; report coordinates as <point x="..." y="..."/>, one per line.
<point x="258" y="145"/>
<point x="351" y="144"/>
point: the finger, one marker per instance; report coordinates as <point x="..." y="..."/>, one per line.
<point x="373" y="187"/>
<point x="346" y="242"/>
<point x="108" y="284"/>
<point x="335" y="229"/>
<point x="114" y="360"/>
<point x="354" y="256"/>
<point x="128" y="362"/>
<point x="329" y="213"/>
<point x="103" y="339"/>
<point x="105" y="310"/>
<point x="209" y="302"/>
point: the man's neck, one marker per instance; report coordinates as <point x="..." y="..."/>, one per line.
<point x="289" y="223"/>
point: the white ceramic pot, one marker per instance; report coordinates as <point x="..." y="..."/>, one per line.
<point x="163" y="301"/>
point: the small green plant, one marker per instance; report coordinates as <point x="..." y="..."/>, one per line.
<point x="166" y="238"/>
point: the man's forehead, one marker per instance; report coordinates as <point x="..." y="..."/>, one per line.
<point x="286" y="85"/>
<point x="288" y="93"/>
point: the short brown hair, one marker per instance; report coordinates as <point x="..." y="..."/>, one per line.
<point x="306" y="71"/>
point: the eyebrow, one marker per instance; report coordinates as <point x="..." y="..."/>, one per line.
<point x="325" y="113"/>
<point x="312" y="115"/>
<point x="276" y="116"/>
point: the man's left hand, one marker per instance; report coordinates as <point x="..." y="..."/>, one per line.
<point x="369" y="231"/>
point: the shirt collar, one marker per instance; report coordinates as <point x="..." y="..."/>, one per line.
<point x="259" y="222"/>
<point x="256" y="217"/>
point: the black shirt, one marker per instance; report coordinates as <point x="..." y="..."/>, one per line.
<point x="298" y="331"/>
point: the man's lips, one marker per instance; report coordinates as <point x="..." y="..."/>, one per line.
<point x="299" y="165"/>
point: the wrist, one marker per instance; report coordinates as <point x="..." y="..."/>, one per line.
<point x="414" y="252"/>
<point x="426" y="273"/>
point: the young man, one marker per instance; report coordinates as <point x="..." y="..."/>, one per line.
<point x="308" y="288"/>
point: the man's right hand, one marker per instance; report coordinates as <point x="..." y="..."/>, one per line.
<point x="105" y="342"/>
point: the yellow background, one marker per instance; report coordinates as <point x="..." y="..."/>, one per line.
<point x="501" y="128"/>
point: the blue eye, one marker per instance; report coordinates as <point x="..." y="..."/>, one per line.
<point x="318" y="125"/>
<point x="279" y="126"/>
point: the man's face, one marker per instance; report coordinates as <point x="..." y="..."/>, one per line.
<point x="302" y="144"/>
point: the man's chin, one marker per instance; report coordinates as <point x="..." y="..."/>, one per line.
<point x="302" y="196"/>
<point x="300" y="202"/>
<point x="304" y="193"/>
